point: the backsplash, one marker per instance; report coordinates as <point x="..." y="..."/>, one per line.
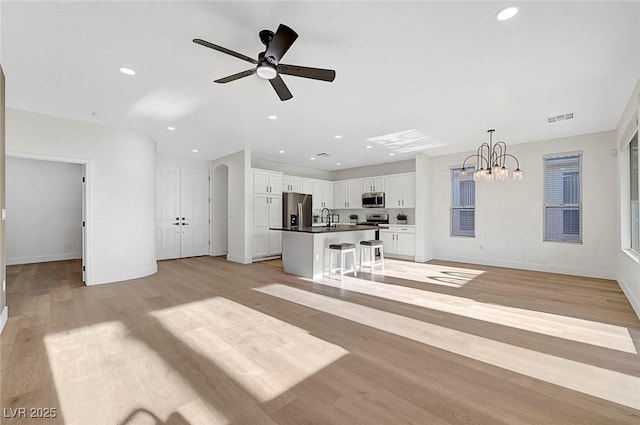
<point x="362" y="214"/>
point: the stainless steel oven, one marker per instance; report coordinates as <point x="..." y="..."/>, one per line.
<point x="373" y="200"/>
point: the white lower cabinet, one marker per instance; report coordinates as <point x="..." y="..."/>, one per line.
<point x="267" y="212"/>
<point x="399" y="240"/>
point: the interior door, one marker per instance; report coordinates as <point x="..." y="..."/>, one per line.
<point x="194" y="215"/>
<point x="182" y="212"/>
<point x="167" y="212"/>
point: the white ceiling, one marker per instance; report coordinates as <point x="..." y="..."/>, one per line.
<point x="446" y="70"/>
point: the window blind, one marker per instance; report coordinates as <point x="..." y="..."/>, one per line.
<point x="463" y="200"/>
<point x="563" y="198"/>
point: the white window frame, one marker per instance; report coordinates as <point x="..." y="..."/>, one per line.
<point x="546" y="206"/>
<point x="634" y="251"/>
<point x="470" y="171"/>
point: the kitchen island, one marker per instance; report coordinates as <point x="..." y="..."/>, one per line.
<point x="305" y="250"/>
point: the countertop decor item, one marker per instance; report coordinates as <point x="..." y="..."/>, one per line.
<point x="490" y="162"/>
<point x="353" y="218"/>
<point x="402" y="218"/>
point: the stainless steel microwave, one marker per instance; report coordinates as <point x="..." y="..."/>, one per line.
<point x="373" y="200"/>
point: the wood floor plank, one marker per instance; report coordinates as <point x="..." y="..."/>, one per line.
<point x="199" y="343"/>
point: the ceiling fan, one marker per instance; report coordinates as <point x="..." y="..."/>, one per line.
<point x="268" y="65"/>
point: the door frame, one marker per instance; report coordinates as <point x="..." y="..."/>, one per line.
<point x="86" y="203"/>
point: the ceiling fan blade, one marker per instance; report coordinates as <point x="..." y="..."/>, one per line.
<point x="224" y="50"/>
<point x="236" y="76"/>
<point x="281" y="88"/>
<point x="282" y="40"/>
<point x="306" y="72"/>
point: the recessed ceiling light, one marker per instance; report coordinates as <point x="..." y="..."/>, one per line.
<point x="273" y="117"/>
<point x="312" y="158"/>
<point x="368" y="146"/>
<point x="392" y="154"/>
<point x="194" y="150"/>
<point x="337" y="163"/>
<point x="337" y="136"/>
<point x="507" y="13"/>
<point x="281" y="151"/>
<point x="127" y="71"/>
<point x="171" y="128"/>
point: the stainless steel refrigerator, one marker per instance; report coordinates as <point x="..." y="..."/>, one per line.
<point x="296" y="209"/>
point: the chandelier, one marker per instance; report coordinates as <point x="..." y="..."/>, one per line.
<point x="490" y="162"/>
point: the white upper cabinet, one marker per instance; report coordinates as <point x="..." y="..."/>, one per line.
<point x="307" y="186"/>
<point x="292" y="184"/>
<point x="347" y="194"/>
<point x="400" y="191"/>
<point x="322" y="194"/>
<point x="267" y="182"/>
<point x="373" y="184"/>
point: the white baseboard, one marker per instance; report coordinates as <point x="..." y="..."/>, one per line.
<point x="635" y="302"/>
<point x="43" y="258"/>
<point x="600" y="274"/>
<point x="4" y="316"/>
<point x="238" y="259"/>
<point x="273" y="257"/>
<point x="215" y="253"/>
<point x="119" y="277"/>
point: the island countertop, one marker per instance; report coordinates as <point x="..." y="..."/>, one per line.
<point x="326" y="229"/>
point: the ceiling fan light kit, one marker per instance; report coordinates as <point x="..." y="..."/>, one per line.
<point x="268" y="64"/>
<point x="267" y="72"/>
<point x="491" y="162"/>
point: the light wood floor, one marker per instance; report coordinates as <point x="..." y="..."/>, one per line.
<point x="206" y="341"/>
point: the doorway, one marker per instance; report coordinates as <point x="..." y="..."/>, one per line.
<point x="182" y="212"/>
<point x="46" y="210"/>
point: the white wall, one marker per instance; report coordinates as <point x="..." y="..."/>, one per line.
<point x="44" y="211"/>
<point x="627" y="264"/>
<point x="120" y="188"/>
<point x="509" y="215"/>
<point x="291" y="169"/>
<point x="423" y="220"/>
<point x="240" y="205"/>
<point x="398" y="167"/>
<point x="220" y="211"/>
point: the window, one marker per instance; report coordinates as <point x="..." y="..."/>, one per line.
<point x="563" y="198"/>
<point x="463" y="201"/>
<point x="633" y="204"/>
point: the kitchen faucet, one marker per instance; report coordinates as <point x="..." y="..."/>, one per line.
<point x="328" y="216"/>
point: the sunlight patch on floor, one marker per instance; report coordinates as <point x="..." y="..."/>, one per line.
<point x="580" y="330"/>
<point x="454" y="277"/>
<point x="103" y="376"/>
<point x="598" y="382"/>
<point x="266" y="356"/>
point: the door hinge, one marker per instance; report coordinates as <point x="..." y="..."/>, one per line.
<point x="83" y="179"/>
<point x="84" y="269"/>
<point x="83" y="224"/>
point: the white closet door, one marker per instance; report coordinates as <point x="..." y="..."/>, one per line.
<point x="194" y="217"/>
<point x="167" y="212"/>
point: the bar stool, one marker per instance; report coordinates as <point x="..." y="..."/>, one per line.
<point x="371" y="246"/>
<point x="341" y="250"/>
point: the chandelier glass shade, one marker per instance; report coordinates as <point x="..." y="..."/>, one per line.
<point x="490" y="162"/>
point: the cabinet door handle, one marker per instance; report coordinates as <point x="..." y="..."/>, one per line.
<point x="185" y="224"/>
<point x="403" y="202"/>
<point x="176" y="224"/>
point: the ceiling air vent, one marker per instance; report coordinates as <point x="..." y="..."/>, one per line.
<point x="322" y="154"/>
<point x="563" y="117"/>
